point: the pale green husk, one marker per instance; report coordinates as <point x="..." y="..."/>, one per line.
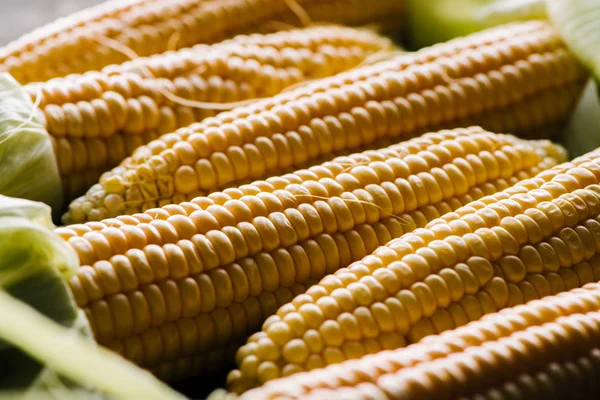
<point x="578" y="21"/>
<point x="28" y="166"/>
<point x="436" y="21"/>
<point x="499" y="12"/>
<point x="582" y="132"/>
<point x="46" y="346"/>
<point x="31" y="210"/>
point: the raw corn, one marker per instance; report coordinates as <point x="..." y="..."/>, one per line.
<point x="316" y="49"/>
<point x="19" y="51"/>
<point x="529" y="241"/>
<point x="86" y="40"/>
<point x="97" y="119"/>
<point x="206" y="260"/>
<point x="546" y="349"/>
<point x="465" y="80"/>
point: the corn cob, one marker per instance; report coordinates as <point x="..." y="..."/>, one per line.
<point x="82" y="161"/>
<point x="97" y="119"/>
<point x="316" y="49"/>
<point x="344" y="112"/>
<point x="202" y="259"/>
<point x="502" y="250"/>
<point x="502" y="354"/>
<point x="73" y="45"/>
<point x="530" y="116"/>
<point x="575" y="379"/>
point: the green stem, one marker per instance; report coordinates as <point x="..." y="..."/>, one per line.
<point x="75" y="357"/>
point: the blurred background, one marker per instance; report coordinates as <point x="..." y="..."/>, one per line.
<point x="21" y="16"/>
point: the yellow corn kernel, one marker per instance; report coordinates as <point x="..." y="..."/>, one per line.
<point x="93" y="38"/>
<point x="401" y="97"/>
<point x="254" y="244"/>
<point x="546" y="347"/>
<point x="97" y="119"/>
<point x="552" y="219"/>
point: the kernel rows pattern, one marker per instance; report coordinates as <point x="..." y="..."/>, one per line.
<point x="266" y="69"/>
<point x="177" y="63"/>
<point x="25" y="45"/>
<point x="82" y="161"/>
<point x="524" y="33"/>
<point x="198" y="159"/>
<point x="415" y="373"/>
<point x="65" y="48"/>
<point x="575" y="379"/>
<point x="533" y="228"/>
<point x="89" y="114"/>
<point x="121" y="322"/>
<point x="225" y="249"/>
<point x="316" y="180"/>
<point x="466" y="157"/>
<point x="205" y="342"/>
<point x="486" y="364"/>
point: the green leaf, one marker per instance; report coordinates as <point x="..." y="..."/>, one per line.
<point x="582" y="133"/>
<point x="34" y="264"/>
<point x="46" y="346"/>
<point x="75" y="357"/>
<point x="29" y="168"/>
<point x="435" y="21"/>
<point x="578" y="21"/>
<point x="28" y="249"/>
<point x="31" y="210"/>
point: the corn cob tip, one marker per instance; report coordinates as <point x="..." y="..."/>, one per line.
<point x="548" y="148"/>
<point x="99" y="201"/>
<point x="555" y="151"/>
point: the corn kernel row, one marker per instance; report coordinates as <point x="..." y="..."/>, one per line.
<point x="400" y="179"/>
<point x="316" y="181"/>
<point x="82" y="161"/>
<point x="220" y="291"/>
<point x="557" y="210"/>
<point x="143" y="271"/>
<point x="91" y="113"/>
<point x="147" y="28"/>
<point x="575" y="379"/>
<point x="248" y="144"/>
<point x="259" y="189"/>
<point x="415" y="373"/>
<point x="193" y="339"/>
<point x="282" y="49"/>
<point x="23" y="48"/>
<point x="133" y="104"/>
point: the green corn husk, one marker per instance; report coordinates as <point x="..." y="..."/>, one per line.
<point x="578" y="21"/>
<point x="27" y="161"/>
<point x="46" y="345"/>
<point x="436" y="21"/>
